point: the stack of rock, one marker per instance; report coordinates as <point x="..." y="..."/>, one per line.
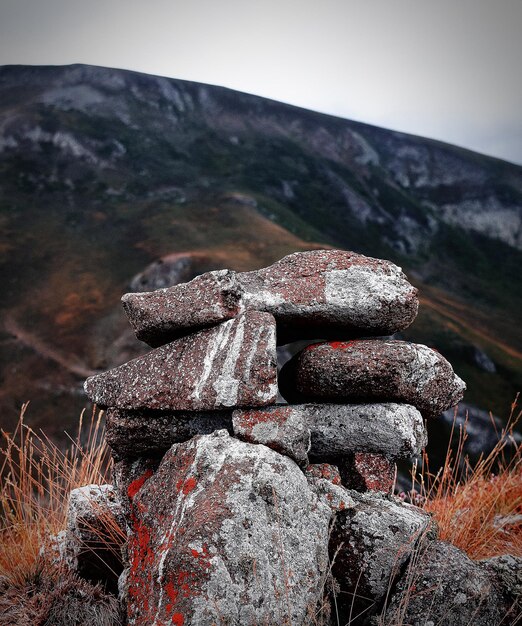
<point x="229" y="497"/>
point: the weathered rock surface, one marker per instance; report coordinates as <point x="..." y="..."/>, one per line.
<point x="132" y="434"/>
<point x="319" y="293"/>
<point x="233" y="364"/>
<point x="225" y="532"/>
<point x="161" y="316"/>
<point x="129" y="477"/>
<point x="325" y="480"/>
<point x="372" y="370"/>
<point x="450" y="589"/>
<point x="95" y="533"/>
<point x="282" y="429"/>
<point x="369" y="544"/>
<point x="394" y="430"/>
<point x="364" y="471"/>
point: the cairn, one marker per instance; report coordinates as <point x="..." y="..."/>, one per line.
<point x="230" y="497"/>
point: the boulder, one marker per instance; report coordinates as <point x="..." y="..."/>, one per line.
<point x="284" y="430"/>
<point x="232" y="364"/>
<point x="372" y="370"/>
<point x="133" y="434"/>
<point x="95" y="534"/>
<point x="225" y="532"/>
<point x="442" y="585"/>
<point x="394" y="430"/>
<point x="129" y="475"/>
<point x="319" y="293"/>
<point x="369" y="544"/>
<point x="325" y="480"/>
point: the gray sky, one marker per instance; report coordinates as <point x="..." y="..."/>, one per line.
<point x="447" y="69"/>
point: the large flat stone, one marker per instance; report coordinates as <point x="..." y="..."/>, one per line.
<point x="132" y="434"/>
<point x="336" y="430"/>
<point x="161" y="316"/>
<point x="232" y="364"/>
<point x="225" y="532"/>
<point x="372" y="370"/>
<point x="319" y="293"/>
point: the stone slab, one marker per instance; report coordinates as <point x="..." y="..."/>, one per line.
<point x="232" y="364"/>
<point x="336" y="430"/>
<point x="132" y="434"/>
<point x="372" y="370"/>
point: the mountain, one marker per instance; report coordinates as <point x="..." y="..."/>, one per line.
<point x="103" y="172"/>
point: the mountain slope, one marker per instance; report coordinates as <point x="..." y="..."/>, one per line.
<point x="103" y="171"/>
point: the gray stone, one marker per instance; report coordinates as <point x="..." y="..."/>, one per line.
<point x="325" y="480"/>
<point x="129" y="475"/>
<point x="284" y="430"/>
<point x="372" y="370"/>
<point x="95" y="533"/>
<point x="394" y="430"/>
<point x="442" y="585"/>
<point x="233" y="364"/>
<point x="369" y="544"/>
<point x="132" y="434"/>
<point x="319" y="293"/>
<point x="225" y="532"/>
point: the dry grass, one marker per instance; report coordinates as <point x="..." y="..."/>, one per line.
<point x="479" y="508"/>
<point x="37" y="478"/>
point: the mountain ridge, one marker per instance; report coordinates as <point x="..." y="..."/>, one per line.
<point x="103" y="171"/>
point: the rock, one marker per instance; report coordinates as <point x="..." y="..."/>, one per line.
<point x="369" y="544"/>
<point x="319" y="293"/>
<point x="225" y="532"/>
<point x="159" y="317"/>
<point x="233" y="364"/>
<point x="95" y="533"/>
<point x="164" y="272"/>
<point x="372" y="370"/>
<point x="284" y="430"/>
<point x="132" y="434"/>
<point x="508" y="570"/>
<point x="444" y="586"/>
<point x="395" y="430"/>
<point x="364" y="471"/>
<point x="325" y="480"/>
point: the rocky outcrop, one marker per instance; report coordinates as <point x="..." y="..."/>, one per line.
<point x="239" y="510"/>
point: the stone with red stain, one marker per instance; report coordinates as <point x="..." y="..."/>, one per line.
<point x="319" y="293"/>
<point x="232" y="364"/>
<point x="373" y="370"/>
<point x="367" y="472"/>
<point x="282" y="429"/>
<point x="370" y="543"/>
<point x="133" y="434"/>
<point x="395" y="430"/>
<point x="225" y="532"/>
<point x="129" y="476"/>
<point x="161" y="316"/>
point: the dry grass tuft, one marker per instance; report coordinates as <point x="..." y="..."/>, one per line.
<point x="479" y="508"/>
<point x="37" y="478"/>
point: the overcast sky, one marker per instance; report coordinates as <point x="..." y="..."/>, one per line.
<point x="447" y="69"/>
